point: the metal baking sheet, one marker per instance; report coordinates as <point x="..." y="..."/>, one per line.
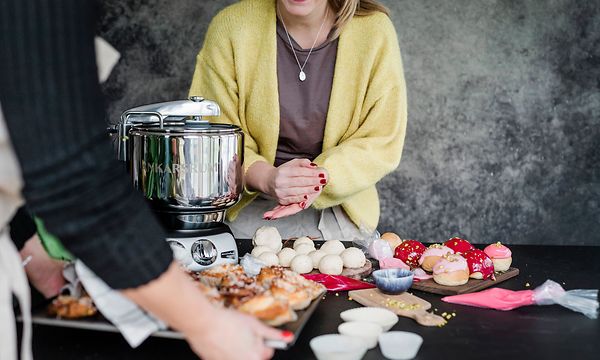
<point x="99" y="323"/>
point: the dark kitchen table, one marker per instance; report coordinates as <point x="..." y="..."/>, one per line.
<point x="535" y="332"/>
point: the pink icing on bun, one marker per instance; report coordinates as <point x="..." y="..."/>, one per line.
<point x="497" y="251"/>
<point x="392" y="263"/>
<point x="435" y="250"/>
<point x="449" y="263"/>
<point x="420" y="274"/>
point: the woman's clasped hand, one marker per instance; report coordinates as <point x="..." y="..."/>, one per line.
<point x="295" y="185"/>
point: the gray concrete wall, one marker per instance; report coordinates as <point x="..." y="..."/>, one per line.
<point x="503" y="140"/>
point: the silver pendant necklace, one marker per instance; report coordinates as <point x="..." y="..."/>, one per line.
<point x="302" y="74"/>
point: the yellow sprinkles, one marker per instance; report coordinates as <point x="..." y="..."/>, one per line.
<point x="446" y="316"/>
<point x="401" y="305"/>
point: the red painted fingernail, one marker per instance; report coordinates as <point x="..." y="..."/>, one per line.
<point x="305" y="197"/>
<point x="287" y="333"/>
<point x="323" y="181"/>
<point x="316" y="188"/>
<point x="313" y="164"/>
<point x="321" y="175"/>
<point x="303" y="204"/>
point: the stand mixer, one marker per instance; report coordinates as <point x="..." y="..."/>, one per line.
<point x="190" y="171"/>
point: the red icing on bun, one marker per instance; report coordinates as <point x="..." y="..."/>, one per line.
<point x="478" y="261"/>
<point x="460" y="246"/>
<point x="410" y="251"/>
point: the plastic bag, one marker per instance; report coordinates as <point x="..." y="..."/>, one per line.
<point x="338" y="282"/>
<point x="549" y="293"/>
<point x="372" y="245"/>
<point x="584" y="301"/>
<point x="365" y="239"/>
<point x="251" y="265"/>
<point x="380" y="250"/>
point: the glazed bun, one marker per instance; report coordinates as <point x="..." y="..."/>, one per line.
<point x="502" y="264"/>
<point x="451" y="270"/>
<point x="500" y="255"/>
<point x="432" y="255"/>
<point x="454" y="278"/>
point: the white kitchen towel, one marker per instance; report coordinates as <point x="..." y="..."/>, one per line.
<point x="133" y="322"/>
<point x="12" y="275"/>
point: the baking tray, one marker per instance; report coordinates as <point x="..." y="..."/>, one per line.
<point x="99" y="323"/>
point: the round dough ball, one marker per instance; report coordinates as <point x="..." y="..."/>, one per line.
<point x="392" y="239"/>
<point x="353" y="258"/>
<point x="316" y="257"/>
<point x="269" y="258"/>
<point x="303" y="240"/>
<point x="304" y="249"/>
<point x="334" y="247"/>
<point x="302" y="264"/>
<point x="285" y="256"/>
<point x="267" y="236"/>
<point x="259" y="250"/>
<point x="331" y="264"/>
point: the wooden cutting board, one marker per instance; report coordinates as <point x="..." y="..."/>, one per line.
<point x="472" y="285"/>
<point x="405" y="304"/>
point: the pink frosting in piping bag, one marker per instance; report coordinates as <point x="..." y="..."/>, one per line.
<point x="495" y="298"/>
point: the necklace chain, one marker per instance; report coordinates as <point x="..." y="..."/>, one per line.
<point x="302" y="74"/>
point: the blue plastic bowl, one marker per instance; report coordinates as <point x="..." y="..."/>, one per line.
<point x="393" y="281"/>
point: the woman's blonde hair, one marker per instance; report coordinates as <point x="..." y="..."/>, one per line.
<point x="346" y="9"/>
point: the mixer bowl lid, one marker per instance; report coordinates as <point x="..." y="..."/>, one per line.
<point x="185" y="127"/>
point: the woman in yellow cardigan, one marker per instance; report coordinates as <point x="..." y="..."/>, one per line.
<point x="318" y="88"/>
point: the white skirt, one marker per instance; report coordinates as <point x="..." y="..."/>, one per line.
<point x="327" y="224"/>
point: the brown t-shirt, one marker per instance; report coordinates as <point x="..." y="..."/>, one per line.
<point x="303" y="105"/>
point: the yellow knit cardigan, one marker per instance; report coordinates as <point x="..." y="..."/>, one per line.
<point x="366" y="119"/>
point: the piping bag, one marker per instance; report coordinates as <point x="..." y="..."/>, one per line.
<point x="338" y="282"/>
<point x="584" y="301"/>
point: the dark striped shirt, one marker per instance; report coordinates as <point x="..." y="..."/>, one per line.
<point x="56" y="120"/>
